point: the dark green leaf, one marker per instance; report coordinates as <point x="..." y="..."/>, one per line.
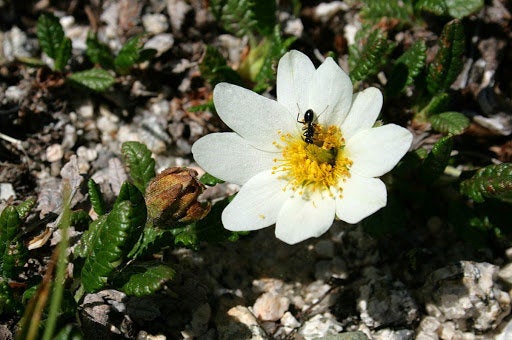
<point x="13" y="259"/>
<point x="25" y="207"/>
<point x="448" y="61"/>
<point x="437" y="159"/>
<point x="437" y="104"/>
<point x="493" y="181"/>
<point x="50" y="34"/>
<point x="210" y="180"/>
<point x="151" y="241"/>
<point x="237" y="17"/>
<point x="128" y="55"/>
<point x="95" y="79"/>
<point x="9" y="225"/>
<point x="375" y="10"/>
<point x="215" y="69"/>
<point x="96" y="198"/>
<point x="84" y="248"/>
<point x="146" y="280"/>
<point x="8" y="303"/>
<point x="437" y="7"/>
<point x="461" y="8"/>
<point x="129" y="192"/>
<point x="142" y="166"/>
<point x="79" y="218"/>
<point x="147" y="54"/>
<point x="109" y="245"/>
<point x="98" y="52"/>
<point x="407" y="67"/>
<point x="453" y="123"/>
<point x="369" y="55"/>
<point x="265" y="16"/>
<point x="63" y="54"/>
<point x="203" y="107"/>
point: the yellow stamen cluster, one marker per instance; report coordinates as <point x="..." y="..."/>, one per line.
<point x="310" y="167"/>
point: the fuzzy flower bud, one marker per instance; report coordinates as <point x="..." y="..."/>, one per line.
<point x="171" y="197"/>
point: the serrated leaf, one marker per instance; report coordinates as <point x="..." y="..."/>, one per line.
<point x="85" y="245"/>
<point x="451" y="122"/>
<point x="437" y="159"/>
<point x="95" y="79"/>
<point x="142" y="166"/>
<point x="109" y="245"/>
<point x="50" y="34"/>
<point x="13" y="258"/>
<point x="461" y="8"/>
<point x="237" y="17"/>
<point x="146" y="280"/>
<point x="437" y="7"/>
<point x="63" y="54"/>
<point x="375" y="10"/>
<point x="24" y="207"/>
<point x="96" y="198"/>
<point x="128" y="55"/>
<point x="210" y="180"/>
<point x="98" y="52"/>
<point x="407" y="67"/>
<point x="9" y="225"/>
<point x="369" y="55"/>
<point x="437" y="103"/>
<point x="493" y="181"/>
<point x="79" y="218"/>
<point x="208" y="106"/>
<point x="215" y="69"/>
<point x="448" y="62"/>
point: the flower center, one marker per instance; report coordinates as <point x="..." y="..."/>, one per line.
<point x="307" y="167"/>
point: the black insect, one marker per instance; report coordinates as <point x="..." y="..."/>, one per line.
<point x="309" y="126"/>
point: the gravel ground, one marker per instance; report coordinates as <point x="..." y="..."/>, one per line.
<point x="423" y="284"/>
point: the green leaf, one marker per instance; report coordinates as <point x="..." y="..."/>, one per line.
<point x="9" y="225"/>
<point x="50" y="34"/>
<point x="451" y="122"/>
<point x="461" y="8"/>
<point x="375" y="10"/>
<point x="98" y="52"/>
<point x="437" y="103"/>
<point x="437" y="159"/>
<point x="79" y="218"/>
<point x="369" y="55"/>
<point x="448" y="61"/>
<point x="63" y="54"/>
<point x="96" y="198"/>
<point x="142" y="166"/>
<point x="215" y="69"/>
<point x="237" y="16"/>
<point x="144" y="280"/>
<point x="128" y="55"/>
<point x="95" y="79"/>
<point x="493" y="181"/>
<point x="210" y="180"/>
<point x="266" y="75"/>
<point x="151" y="241"/>
<point x="84" y="247"/>
<point x="437" y="7"/>
<point x="25" y="207"/>
<point x="203" y="107"/>
<point x="8" y="303"/>
<point x="68" y="332"/>
<point x="109" y="245"/>
<point x="265" y="16"/>
<point x="407" y="67"/>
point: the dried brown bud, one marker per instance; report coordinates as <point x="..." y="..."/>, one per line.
<point x="171" y="197"/>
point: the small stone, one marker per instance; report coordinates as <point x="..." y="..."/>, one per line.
<point x="505" y="273"/>
<point x="6" y="191"/>
<point x="177" y="10"/>
<point x="86" y="153"/>
<point x="320" y="326"/>
<point x="288" y="320"/>
<point x="161" y="43"/>
<point x="270" y="307"/>
<point x="241" y="325"/>
<point x="86" y="110"/>
<point x="54" y="153"/>
<point x="155" y="23"/>
<point x="326" y="11"/>
<point x="15" y="93"/>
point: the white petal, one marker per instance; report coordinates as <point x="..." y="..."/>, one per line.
<point x="376" y="151"/>
<point x="365" y="109"/>
<point x="361" y="197"/>
<point x="254" y="117"/>
<point x="230" y="157"/>
<point x="294" y="73"/>
<point x="330" y="93"/>
<point x="300" y="219"/>
<point x="256" y="205"/>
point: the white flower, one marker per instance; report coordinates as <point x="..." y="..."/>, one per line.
<point x="301" y="186"/>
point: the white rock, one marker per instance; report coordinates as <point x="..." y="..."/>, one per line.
<point x="6" y="191"/>
<point x="177" y="10"/>
<point x="505" y="273"/>
<point x="288" y="320"/>
<point x="155" y="23"/>
<point x="14" y="43"/>
<point x="243" y="315"/>
<point x="325" y="11"/>
<point x="15" y="93"/>
<point x="270" y="307"/>
<point x="54" y="153"/>
<point x="319" y="326"/>
<point x="161" y="43"/>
